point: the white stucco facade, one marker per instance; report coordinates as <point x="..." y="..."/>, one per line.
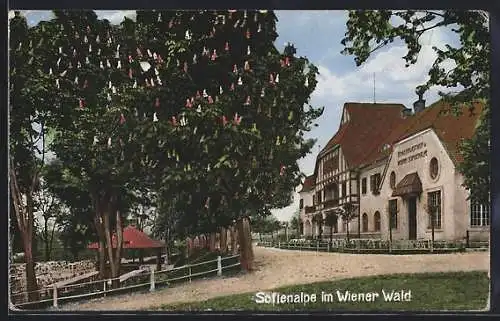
<point x="306" y="202"/>
<point x="370" y="203"/>
<point x="422" y="148"/>
<point x="409" y="156"/>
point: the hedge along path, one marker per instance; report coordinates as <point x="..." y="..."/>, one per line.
<point x="277" y="268"/>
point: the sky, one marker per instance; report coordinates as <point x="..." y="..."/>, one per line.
<point x="317" y="35"/>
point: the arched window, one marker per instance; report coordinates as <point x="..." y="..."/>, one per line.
<point x="365" y="222"/>
<point x="392" y="179"/>
<point x="376" y="221"/>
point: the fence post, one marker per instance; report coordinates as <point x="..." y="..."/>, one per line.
<point x="279" y="244"/>
<point x="152" y="287"/>
<point x="189" y="273"/>
<point x="105" y="281"/>
<point x="328" y="247"/>
<point x="219" y="266"/>
<point x="54" y="296"/>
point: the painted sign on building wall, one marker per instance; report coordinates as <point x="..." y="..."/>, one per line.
<point x="412" y="153"/>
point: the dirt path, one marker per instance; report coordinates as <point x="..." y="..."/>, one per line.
<point x="276" y="268"/>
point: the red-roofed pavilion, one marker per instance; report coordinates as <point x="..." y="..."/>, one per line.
<point x="136" y="239"/>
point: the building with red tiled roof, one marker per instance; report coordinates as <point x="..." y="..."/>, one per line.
<point x="133" y="238"/>
<point x="385" y="158"/>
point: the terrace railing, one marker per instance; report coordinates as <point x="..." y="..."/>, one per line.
<point x="369" y="245"/>
<point x="142" y="281"/>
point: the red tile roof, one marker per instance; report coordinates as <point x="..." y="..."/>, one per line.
<point x="308" y="184"/>
<point x="368" y="125"/>
<point x="450" y="129"/>
<point x="373" y="126"/>
<point x="134" y="239"/>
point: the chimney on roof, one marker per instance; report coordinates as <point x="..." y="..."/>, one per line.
<point x="406" y="112"/>
<point x="419" y="105"/>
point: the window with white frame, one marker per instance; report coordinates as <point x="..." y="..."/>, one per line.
<point x="479" y="214"/>
<point x="434" y="208"/>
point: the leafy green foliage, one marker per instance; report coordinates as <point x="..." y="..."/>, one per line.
<point x="22" y="108"/>
<point x="230" y="167"/>
<point x="267" y="224"/>
<point x="77" y="223"/>
<point x="476" y="166"/>
<point x="347" y="212"/>
<point x="368" y="31"/>
<point x="156" y="105"/>
<point x="296" y="222"/>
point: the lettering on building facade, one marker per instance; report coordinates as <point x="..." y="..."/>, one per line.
<point x="412" y="152"/>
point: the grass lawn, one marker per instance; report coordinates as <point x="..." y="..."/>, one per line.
<point x="429" y="292"/>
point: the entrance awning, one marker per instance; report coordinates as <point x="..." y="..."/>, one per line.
<point x="410" y="184"/>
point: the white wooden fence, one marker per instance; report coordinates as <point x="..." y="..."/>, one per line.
<point x="55" y="293"/>
<point x="362" y="245"/>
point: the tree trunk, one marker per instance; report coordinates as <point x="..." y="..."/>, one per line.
<point x="234" y="240"/>
<point x="189" y="245"/>
<point x="223" y="240"/>
<point x="46" y="240"/>
<point x="51" y="241"/>
<point x="168" y="247"/>
<point x="114" y="256"/>
<point x="99" y="226"/>
<point x="202" y="242"/>
<point x="347" y="235"/>
<point x="246" y="249"/>
<point x="102" y="260"/>
<point x="98" y="221"/>
<point x="109" y="243"/>
<point x="25" y="221"/>
<point x="212" y="242"/>
<point x="141" y="256"/>
<point x="331" y="234"/>
<point x="119" y="245"/>
<point x="31" y="281"/>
